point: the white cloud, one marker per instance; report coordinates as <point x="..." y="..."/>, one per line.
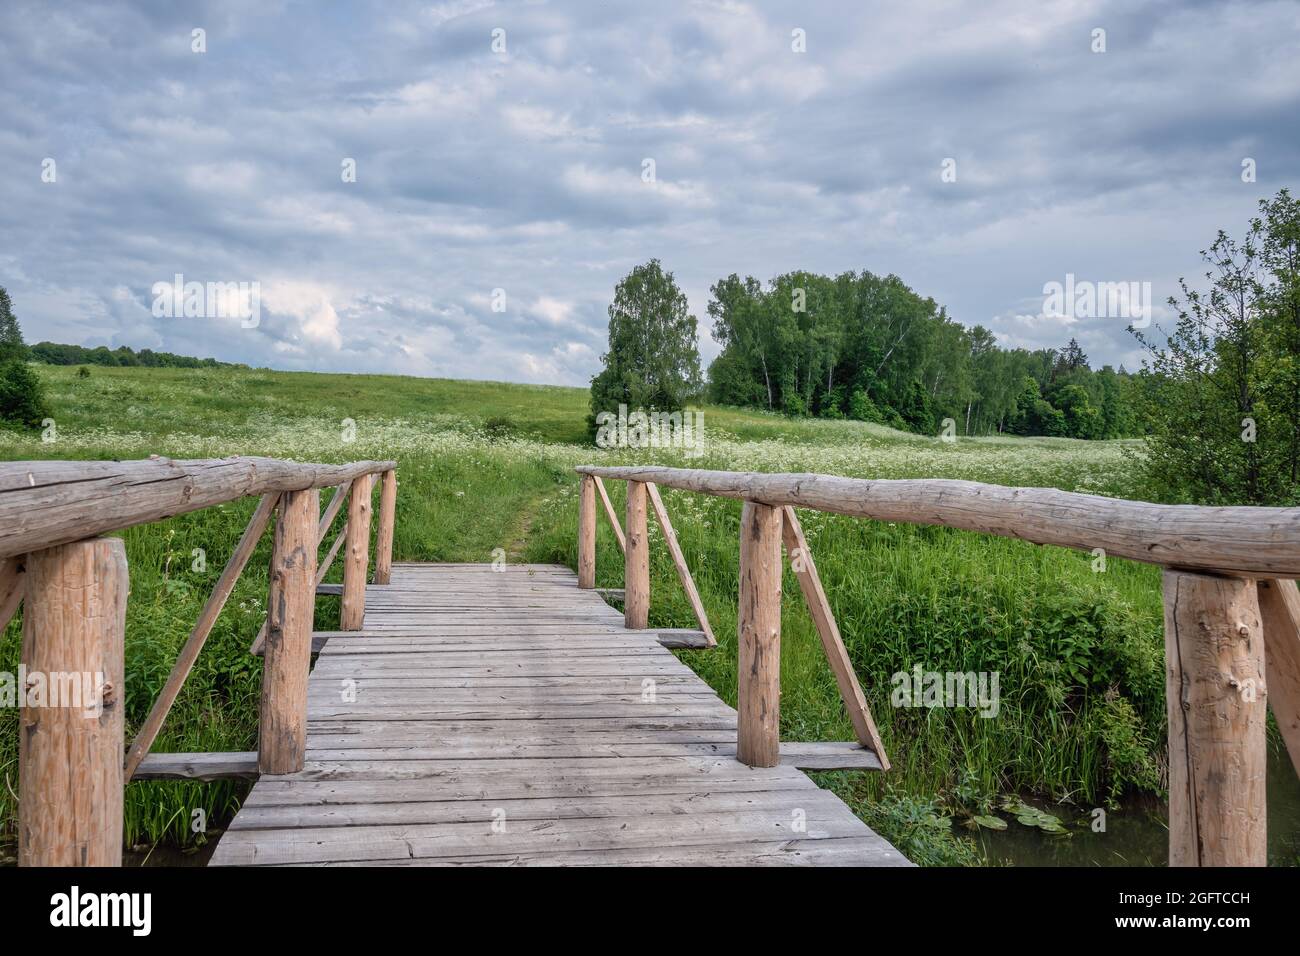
<point x="310" y="305"/>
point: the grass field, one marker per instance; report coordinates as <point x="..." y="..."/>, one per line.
<point x="488" y="465"/>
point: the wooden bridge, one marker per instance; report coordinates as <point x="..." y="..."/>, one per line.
<point x="506" y="717"/>
<point x="472" y="714"/>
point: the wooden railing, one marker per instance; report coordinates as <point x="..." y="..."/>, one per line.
<point x="73" y="586"/>
<point x="1232" y="615"/>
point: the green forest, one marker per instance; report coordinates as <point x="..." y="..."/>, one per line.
<point x="867" y="347"/>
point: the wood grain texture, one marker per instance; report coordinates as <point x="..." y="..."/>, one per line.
<point x="356" y="555"/>
<point x="1279" y="607"/>
<point x="45" y="503"/>
<point x="587" y="532"/>
<point x="1216" y="702"/>
<point x="70" y="779"/>
<point x="480" y="736"/>
<point x="636" y="560"/>
<point x="810" y="583"/>
<point x="244" y="549"/>
<point x="322" y="529"/>
<point x="282" y="728"/>
<point x="387" y="524"/>
<point x="1239" y="541"/>
<point x="199" y="766"/>
<point x="758" y="671"/>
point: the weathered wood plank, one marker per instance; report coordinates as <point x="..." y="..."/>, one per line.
<point x="576" y="807"/>
<point x="817" y="755"/>
<point x="517" y="778"/>
<point x="198" y="766"/>
<point x="684" y="638"/>
<point x="840" y="851"/>
<point x="262" y="847"/>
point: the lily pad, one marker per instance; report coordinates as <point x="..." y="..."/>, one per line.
<point x="1030" y="816"/>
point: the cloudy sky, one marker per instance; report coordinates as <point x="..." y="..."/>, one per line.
<point x="482" y="169"/>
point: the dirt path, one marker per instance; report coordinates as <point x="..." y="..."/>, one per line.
<point x="524" y="524"/>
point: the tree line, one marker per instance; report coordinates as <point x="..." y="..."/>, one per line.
<point x="54" y="353"/>
<point x="854" y="346"/>
<point x="867" y="347"/>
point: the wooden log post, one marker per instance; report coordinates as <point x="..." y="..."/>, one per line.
<point x="1216" y="702"/>
<point x="70" y="741"/>
<point x="636" y="560"/>
<point x="282" y="734"/>
<point x="356" y="555"/>
<point x="387" y="520"/>
<point x="759" y="632"/>
<point x="587" y="533"/>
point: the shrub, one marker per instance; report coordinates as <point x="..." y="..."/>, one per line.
<point x="922" y="831"/>
<point x="499" y="426"/>
<point x="22" y="396"/>
<point x="863" y="408"/>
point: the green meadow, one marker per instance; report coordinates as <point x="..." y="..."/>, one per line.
<point x="1078" y="649"/>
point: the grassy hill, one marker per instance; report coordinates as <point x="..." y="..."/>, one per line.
<point x="487" y="465"/>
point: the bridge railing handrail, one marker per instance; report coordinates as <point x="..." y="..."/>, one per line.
<point x="1239" y="541"/>
<point x="73" y="584"/>
<point x="48" y="503"/>
<point x="1232" y="614"/>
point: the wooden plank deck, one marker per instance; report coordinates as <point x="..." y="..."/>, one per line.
<point x="507" y="718"/>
